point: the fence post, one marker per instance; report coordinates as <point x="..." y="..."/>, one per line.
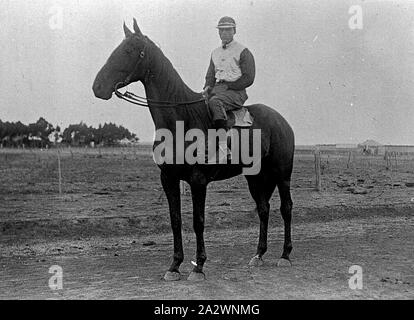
<point x="354" y="164"/>
<point x="318" y="169"/>
<point x="387" y="161"/>
<point x="60" y="173"/>
<point x="122" y="169"/>
<point x="349" y="159"/>
<point x="396" y="163"/>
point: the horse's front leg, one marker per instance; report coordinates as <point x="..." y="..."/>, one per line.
<point x="198" y="191"/>
<point x="171" y="187"/>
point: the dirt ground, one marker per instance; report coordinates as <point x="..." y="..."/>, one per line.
<point x="109" y="230"/>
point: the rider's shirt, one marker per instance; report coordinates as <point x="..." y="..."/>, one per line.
<point x="233" y="64"/>
<point x="227" y="62"/>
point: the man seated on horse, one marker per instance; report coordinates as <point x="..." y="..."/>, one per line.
<point x="231" y="71"/>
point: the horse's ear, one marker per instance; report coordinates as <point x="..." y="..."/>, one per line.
<point x="136" y="28"/>
<point x="128" y="32"/>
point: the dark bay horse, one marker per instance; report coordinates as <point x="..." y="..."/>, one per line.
<point x="137" y="58"/>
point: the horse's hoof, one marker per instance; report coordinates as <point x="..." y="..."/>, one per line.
<point x="256" y="261"/>
<point x="284" y="263"/>
<point x="172" y="276"/>
<point x="196" y="276"/>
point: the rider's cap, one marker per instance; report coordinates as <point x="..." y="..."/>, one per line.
<point x="226" y="22"/>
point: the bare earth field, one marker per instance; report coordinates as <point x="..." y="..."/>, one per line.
<point x="109" y="230"/>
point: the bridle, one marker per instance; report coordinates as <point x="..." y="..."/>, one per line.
<point x="143" y="101"/>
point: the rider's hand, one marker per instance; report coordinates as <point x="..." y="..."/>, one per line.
<point x="222" y="86"/>
<point x="206" y="91"/>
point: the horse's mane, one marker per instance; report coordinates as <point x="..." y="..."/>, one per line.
<point x="176" y="90"/>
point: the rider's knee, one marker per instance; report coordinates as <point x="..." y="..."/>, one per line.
<point x="215" y="102"/>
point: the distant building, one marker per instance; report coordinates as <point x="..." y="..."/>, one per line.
<point x="54" y="137"/>
<point x="336" y="147"/>
<point x="371" y="143"/>
<point x="397" y="149"/>
<point x="376" y="148"/>
<point x="370" y="147"/>
<point x="346" y="146"/>
<point x="328" y="146"/>
<point x="129" y="142"/>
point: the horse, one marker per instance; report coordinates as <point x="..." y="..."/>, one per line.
<point x="170" y="100"/>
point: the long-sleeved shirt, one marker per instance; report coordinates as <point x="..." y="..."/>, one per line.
<point x="235" y="67"/>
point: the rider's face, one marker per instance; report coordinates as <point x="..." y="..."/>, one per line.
<point x="226" y="34"/>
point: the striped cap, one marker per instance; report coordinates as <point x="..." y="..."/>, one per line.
<point x="226" y="22"/>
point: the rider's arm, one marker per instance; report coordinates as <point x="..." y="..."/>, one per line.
<point x="210" y="76"/>
<point x="248" y="70"/>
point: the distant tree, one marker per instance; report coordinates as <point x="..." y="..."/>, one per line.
<point x="39" y="134"/>
<point x="98" y="135"/>
<point x="40" y="129"/>
<point x="13" y="134"/>
<point x="111" y="134"/>
<point x="78" y="134"/>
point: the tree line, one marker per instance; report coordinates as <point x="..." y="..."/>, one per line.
<point x="43" y="134"/>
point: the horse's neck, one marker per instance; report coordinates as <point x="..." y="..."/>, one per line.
<point x="165" y="84"/>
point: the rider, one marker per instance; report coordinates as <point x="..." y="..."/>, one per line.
<point x="231" y="71"/>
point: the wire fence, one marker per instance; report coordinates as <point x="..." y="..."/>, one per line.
<point x="68" y="170"/>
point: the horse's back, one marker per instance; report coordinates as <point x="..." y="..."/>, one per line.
<point x="267" y="118"/>
<point x="278" y="141"/>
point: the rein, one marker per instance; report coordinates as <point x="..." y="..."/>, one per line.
<point x="145" y="102"/>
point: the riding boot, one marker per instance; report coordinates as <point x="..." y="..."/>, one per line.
<point x="222" y="155"/>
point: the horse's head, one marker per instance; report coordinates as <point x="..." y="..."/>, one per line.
<point x="128" y="63"/>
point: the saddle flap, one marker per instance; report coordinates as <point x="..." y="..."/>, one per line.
<point x="239" y="118"/>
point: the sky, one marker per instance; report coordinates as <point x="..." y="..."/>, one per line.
<point x="334" y="83"/>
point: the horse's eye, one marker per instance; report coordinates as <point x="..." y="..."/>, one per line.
<point x="142" y="54"/>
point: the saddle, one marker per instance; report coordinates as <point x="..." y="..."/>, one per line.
<point x="238" y="118"/>
<point x="235" y="118"/>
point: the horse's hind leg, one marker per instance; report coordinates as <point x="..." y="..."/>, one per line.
<point x="286" y="211"/>
<point x="260" y="190"/>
